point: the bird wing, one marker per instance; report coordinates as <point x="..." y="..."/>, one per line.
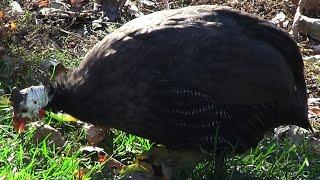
<point x="226" y="56"/>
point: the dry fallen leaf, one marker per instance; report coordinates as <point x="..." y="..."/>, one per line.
<point x="315" y="124"/>
<point x="43" y="3"/>
<point x="98" y="154"/>
<point x="13" y="26"/>
<point x="295" y="2"/>
<point x="95" y="134"/>
<point x="72" y="2"/>
<point x="1" y="14"/>
<point x="52" y="135"/>
<point x="78" y="2"/>
<point x="142" y="167"/>
<point x="315" y="110"/>
<point x="114" y="164"/>
<point x="80" y="173"/>
<point x="62" y="117"/>
<point x="102" y="158"/>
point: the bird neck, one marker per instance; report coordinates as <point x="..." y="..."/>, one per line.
<point x="59" y="94"/>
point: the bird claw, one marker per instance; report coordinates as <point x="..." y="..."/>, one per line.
<point x="161" y="162"/>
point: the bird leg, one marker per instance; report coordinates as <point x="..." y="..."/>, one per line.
<point x="220" y="169"/>
<point x="165" y="162"/>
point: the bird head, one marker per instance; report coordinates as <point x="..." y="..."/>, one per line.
<point x="27" y="104"/>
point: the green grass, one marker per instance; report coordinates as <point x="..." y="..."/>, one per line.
<point x="22" y="158"/>
<point x="270" y="160"/>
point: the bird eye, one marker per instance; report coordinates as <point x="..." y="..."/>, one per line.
<point x="34" y="102"/>
<point x="24" y="110"/>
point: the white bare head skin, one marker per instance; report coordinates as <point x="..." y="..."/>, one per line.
<point x="36" y="98"/>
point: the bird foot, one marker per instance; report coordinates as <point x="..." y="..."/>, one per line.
<point x="161" y="162"/>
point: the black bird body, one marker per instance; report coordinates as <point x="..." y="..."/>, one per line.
<point x="203" y="76"/>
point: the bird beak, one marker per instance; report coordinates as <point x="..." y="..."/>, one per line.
<point x="19" y="123"/>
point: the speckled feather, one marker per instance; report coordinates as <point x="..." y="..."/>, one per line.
<point x="189" y="77"/>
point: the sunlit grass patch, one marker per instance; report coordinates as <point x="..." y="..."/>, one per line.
<point x="23" y="158"/>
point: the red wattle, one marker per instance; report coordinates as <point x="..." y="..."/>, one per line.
<point x="41" y="112"/>
<point x="19" y="124"/>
